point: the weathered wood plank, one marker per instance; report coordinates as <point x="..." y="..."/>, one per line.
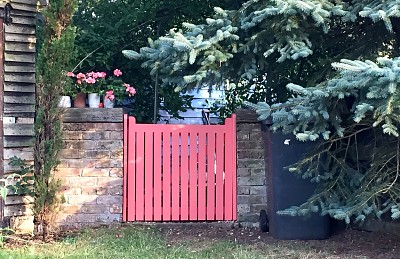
<point x="22" y="78"/>
<point x="17" y="210"/>
<point x="20" y="29"/>
<point x="23" y="20"/>
<point x="20" y="47"/>
<point x="14" y="200"/>
<point x="17" y="57"/>
<point x="9" y="37"/>
<point x="21" y="87"/>
<point x="11" y="141"/>
<point x="20" y="6"/>
<point x="19" y="67"/>
<point x="93" y="115"/>
<point x="18" y="129"/>
<point x="23" y="13"/>
<point x="23" y="153"/>
<point x="27" y="2"/>
<point x="11" y="109"/>
<point x="8" y="169"/>
<point x="27" y="98"/>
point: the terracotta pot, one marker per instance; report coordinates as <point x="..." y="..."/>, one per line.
<point x="80" y="100"/>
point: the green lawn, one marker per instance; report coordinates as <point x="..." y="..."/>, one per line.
<point x="149" y="242"/>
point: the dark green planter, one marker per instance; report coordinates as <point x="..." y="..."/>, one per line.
<point x="285" y="189"/>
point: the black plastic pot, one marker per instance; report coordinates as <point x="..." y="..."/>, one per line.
<point x="285" y="189"/>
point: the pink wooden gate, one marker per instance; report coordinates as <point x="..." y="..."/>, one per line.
<point x="179" y="172"/>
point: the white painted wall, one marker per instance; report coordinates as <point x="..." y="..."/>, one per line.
<point x="203" y="100"/>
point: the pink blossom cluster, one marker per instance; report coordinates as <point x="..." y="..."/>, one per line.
<point x="89" y="78"/>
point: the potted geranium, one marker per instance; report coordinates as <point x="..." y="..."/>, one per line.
<point x="96" y="84"/>
<point x="68" y="91"/>
<point x="116" y="89"/>
<point x="91" y="83"/>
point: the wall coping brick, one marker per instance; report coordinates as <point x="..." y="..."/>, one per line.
<point x="93" y="115"/>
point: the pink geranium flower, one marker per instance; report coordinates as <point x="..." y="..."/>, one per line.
<point x="110" y="95"/>
<point x="101" y="74"/>
<point x="80" y="76"/>
<point x="90" y="80"/>
<point x="70" y="74"/>
<point x="131" y="90"/>
<point x="117" y="72"/>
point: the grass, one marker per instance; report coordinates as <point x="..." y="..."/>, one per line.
<point x="148" y="242"/>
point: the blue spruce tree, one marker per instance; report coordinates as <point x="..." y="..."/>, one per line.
<point x="322" y="70"/>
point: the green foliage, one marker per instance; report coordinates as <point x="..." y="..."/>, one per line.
<point x="357" y="114"/>
<point x="105" y="28"/>
<point x="287" y="47"/>
<point x="53" y="61"/>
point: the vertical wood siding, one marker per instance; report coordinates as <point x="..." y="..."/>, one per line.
<point x="18" y="95"/>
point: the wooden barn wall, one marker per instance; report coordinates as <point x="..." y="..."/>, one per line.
<point x="19" y="92"/>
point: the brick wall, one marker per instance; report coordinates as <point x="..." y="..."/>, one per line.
<point x="91" y="167"/>
<point x="251" y="180"/>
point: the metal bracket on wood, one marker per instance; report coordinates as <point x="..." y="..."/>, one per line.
<point x="5" y="13"/>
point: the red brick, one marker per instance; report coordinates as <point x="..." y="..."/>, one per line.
<point x="82" y="181"/>
<point x="70" y="153"/>
<point x="73" y="144"/>
<point x="99" y="154"/>
<point x="69" y="190"/>
<point x="93" y="135"/>
<point x="95" y="172"/>
<point x="115" y="190"/>
<point x="95" y="209"/>
<point x="110" y="200"/>
<point x="107" y="181"/>
<point x="81" y="217"/>
<point x="64" y="172"/>
<point x="117" y="154"/>
<point x="109" y="163"/>
<point x="71" y="209"/>
<point x="117" y="135"/>
<point x="81" y="199"/>
<point x="72" y="135"/>
<point x="109" y="126"/>
<point x="116" y="172"/>
<point x="109" y="145"/>
<point x="91" y="190"/>
<point x="115" y="209"/>
<point x="78" y="126"/>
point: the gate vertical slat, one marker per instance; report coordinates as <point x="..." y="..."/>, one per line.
<point x="184" y="176"/>
<point x="175" y="176"/>
<point x="202" y="176"/>
<point x="211" y="176"/>
<point x="233" y="154"/>
<point x="157" y="176"/>
<point x="131" y="174"/>
<point x="228" y="174"/>
<point x="219" y="206"/>
<point x="125" y="176"/>
<point x="140" y="152"/>
<point x="166" y="176"/>
<point x="193" y="176"/>
<point x="148" y="176"/>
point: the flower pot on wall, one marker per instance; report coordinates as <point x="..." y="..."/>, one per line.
<point x="80" y="100"/>
<point x="65" y="102"/>
<point x="108" y="103"/>
<point x="94" y="100"/>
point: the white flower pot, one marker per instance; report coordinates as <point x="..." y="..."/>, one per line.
<point x="65" y="102"/>
<point x="94" y="100"/>
<point x="108" y="103"/>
